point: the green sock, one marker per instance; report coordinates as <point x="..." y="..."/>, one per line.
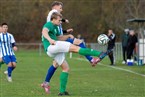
<point x="63" y="81"/>
<point x="88" y="51"/>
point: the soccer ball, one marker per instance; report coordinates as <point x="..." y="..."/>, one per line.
<point x="103" y="39"/>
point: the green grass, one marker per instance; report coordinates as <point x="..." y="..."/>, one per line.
<point x="84" y="80"/>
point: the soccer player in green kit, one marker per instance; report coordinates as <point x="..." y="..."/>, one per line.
<point x="57" y="48"/>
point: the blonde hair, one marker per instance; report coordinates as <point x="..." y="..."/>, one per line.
<point x="55" y="15"/>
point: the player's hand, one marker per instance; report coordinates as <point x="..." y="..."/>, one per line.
<point x="52" y="42"/>
<point x="66" y="20"/>
<point x="15" y="48"/>
<point x="69" y="30"/>
<point x="109" y="34"/>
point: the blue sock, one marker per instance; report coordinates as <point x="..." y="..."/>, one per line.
<point x="10" y="69"/>
<point x="50" y="73"/>
<point x="82" y="45"/>
<point x="13" y="68"/>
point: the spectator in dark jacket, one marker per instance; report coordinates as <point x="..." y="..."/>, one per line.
<point x="132" y="40"/>
<point x="124" y="38"/>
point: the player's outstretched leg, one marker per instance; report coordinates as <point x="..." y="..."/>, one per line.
<point x="88" y="51"/>
<point x="95" y="61"/>
<point x="101" y="56"/>
<point x="81" y="44"/>
<point x="91" y="59"/>
<point x="104" y="54"/>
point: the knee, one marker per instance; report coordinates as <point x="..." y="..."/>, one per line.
<point x="9" y="64"/>
<point x="1" y="60"/>
<point x="55" y="64"/>
<point x="14" y="65"/>
<point x="66" y="69"/>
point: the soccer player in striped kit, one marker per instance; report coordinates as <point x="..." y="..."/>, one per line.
<point x="7" y="43"/>
<point x="1" y="61"/>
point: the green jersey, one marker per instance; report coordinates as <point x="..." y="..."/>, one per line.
<point x="53" y="33"/>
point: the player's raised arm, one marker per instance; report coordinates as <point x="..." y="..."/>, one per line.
<point x="45" y="34"/>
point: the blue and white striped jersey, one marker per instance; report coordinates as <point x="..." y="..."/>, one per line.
<point x="6" y="41"/>
<point x="0" y="51"/>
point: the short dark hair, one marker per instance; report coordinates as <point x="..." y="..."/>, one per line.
<point x="55" y="15"/>
<point x="56" y="3"/>
<point x="4" y="24"/>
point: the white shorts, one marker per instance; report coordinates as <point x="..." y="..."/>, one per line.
<point x="58" y="51"/>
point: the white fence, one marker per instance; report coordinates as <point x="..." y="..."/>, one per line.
<point x="117" y="50"/>
<point x="32" y="45"/>
<point x="142" y="49"/>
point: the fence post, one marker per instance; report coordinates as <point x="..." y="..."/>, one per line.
<point x="70" y="55"/>
<point x="40" y="49"/>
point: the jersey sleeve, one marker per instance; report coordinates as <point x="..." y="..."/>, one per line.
<point x="48" y="26"/>
<point x="112" y="36"/>
<point x="12" y="39"/>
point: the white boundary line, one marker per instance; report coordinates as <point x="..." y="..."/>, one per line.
<point x="118" y="68"/>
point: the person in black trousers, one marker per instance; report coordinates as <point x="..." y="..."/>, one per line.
<point x="111" y="45"/>
<point x="132" y="40"/>
<point x="124" y="39"/>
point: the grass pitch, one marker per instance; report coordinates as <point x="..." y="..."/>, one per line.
<point x="84" y="80"/>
